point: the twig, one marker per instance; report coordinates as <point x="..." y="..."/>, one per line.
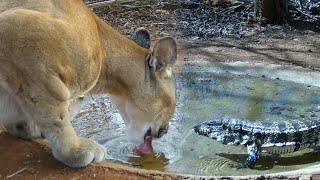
<point x="229" y="9"/>
<point x="10" y="176"/>
<point x="305" y="14"/>
<point x="106" y="3"/>
<point x="133" y="7"/>
<point x="76" y="178"/>
<point x="165" y="23"/>
<point x="91" y="133"/>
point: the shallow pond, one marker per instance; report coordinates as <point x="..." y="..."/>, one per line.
<point x="202" y="95"/>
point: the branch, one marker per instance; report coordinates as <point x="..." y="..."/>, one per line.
<point x="106" y="3"/>
<point x="305" y="14"/>
<point x="10" y="176"/>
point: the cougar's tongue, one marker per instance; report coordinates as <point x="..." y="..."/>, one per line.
<point x="144" y="148"/>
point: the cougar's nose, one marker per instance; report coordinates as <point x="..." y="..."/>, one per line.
<point x="147" y="134"/>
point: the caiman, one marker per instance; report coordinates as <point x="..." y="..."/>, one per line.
<point x="267" y="137"/>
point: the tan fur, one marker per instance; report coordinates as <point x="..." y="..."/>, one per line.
<point x="53" y="51"/>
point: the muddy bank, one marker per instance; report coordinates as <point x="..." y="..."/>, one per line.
<point x="33" y="160"/>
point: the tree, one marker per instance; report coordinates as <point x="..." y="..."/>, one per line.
<point x="271" y="11"/>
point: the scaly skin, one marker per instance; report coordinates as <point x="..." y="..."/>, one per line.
<point x="270" y="137"/>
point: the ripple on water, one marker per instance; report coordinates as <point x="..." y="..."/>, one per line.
<point x="207" y="165"/>
<point x="121" y="150"/>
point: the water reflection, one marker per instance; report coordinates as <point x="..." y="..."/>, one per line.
<point x="255" y="100"/>
<point x="156" y="161"/>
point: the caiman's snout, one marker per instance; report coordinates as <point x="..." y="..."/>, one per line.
<point x="202" y="129"/>
<point x="209" y="129"/>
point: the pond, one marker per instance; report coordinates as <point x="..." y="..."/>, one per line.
<point x="203" y="93"/>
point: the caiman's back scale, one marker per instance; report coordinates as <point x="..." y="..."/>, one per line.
<point x="270" y="137"/>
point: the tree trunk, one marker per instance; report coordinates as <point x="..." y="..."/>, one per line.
<point x="271" y="11"/>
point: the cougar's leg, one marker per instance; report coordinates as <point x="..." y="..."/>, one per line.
<point x="54" y="123"/>
<point x="14" y="119"/>
<point x="46" y="102"/>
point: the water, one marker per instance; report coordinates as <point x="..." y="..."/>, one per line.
<point x="202" y="95"/>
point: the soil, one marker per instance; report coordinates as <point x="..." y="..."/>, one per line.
<point x="299" y="46"/>
<point x="296" y="43"/>
<point x="22" y="159"/>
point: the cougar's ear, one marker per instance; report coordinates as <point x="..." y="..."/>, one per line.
<point x="164" y="54"/>
<point x="142" y="38"/>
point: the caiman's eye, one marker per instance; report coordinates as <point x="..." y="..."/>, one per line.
<point x="224" y="127"/>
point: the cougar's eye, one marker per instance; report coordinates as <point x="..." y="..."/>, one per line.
<point x="162" y="131"/>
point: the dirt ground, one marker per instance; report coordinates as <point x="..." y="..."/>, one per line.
<point x="296" y="44"/>
<point x="33" y="160"/>
<point x="21" y="159"/>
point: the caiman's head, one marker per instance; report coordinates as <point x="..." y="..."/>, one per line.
<point x="214" y="129"/>
<point x="222" y="130"/>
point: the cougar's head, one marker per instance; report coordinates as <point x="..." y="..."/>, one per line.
<point x="149" y="105"/>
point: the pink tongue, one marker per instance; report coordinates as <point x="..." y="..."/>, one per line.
<point x="144" y="148"/>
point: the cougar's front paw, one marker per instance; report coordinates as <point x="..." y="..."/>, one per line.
<point x="23" y="130"/>
<point x="88" y="151"/>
